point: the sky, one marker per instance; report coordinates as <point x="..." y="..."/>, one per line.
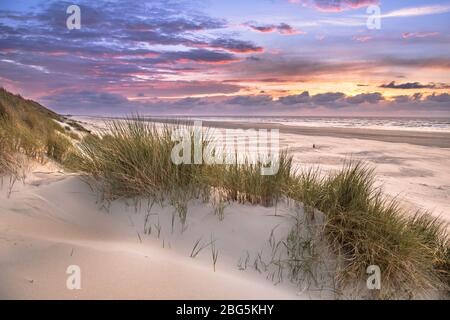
<point x="230" y="57"/>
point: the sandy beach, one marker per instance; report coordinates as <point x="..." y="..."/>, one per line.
<point x="421" y="138"/>
<point x="55" y="220"/>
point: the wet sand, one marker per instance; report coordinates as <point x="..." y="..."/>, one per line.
<point x="428" y="139"/>
<point x="420" y="138"/>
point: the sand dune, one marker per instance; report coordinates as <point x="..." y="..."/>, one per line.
<point x="55" y="220"/>
<point x="51" y="223"/>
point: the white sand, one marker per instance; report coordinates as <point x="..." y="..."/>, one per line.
<point x="54" y="221"/>
<point x="418" y="176"/>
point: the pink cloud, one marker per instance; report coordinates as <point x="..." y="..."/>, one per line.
<point x="336" y="5"/>
<point x="408" y="35"/>
<point x="282" y="28"/>
<point x="362" y="38"/>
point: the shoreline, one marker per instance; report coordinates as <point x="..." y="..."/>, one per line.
<point x="419" y="138"/>
<point x="427" y="139"/>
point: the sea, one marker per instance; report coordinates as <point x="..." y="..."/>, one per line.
<point x="407" y="124"/>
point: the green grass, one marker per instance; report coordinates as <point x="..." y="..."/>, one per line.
<point x="29" y="129"/>
<point x="134" y="159"/>
<point x="244" y="183"/>
<point x="366" y="228"/>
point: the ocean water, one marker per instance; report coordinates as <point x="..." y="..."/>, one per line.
<point x="409" y="124"/>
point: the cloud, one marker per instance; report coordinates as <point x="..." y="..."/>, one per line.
<point x="250" y="100"/>
<point x="298" y="68"/>
<point x="282" y="28"/>
<point x="302" y="98"/>
<point x="362" y="38"/>
<point x="417" y="96"/>
<point x="85" y="100"/>
<point x="103" y="103"/>
<point x="440" y="98"/>
<point x="413" y="35"/>
<point x="286" y="29"/>
<point x="433" y="62"/>
<point x="327" y="98"/>
<point x="130" y="44"/>
<point x="372" y="98"/>
<point x="415" y="85"/>
<point x="236" y="46"/>
<point x="336" y="5"/>
<point x="417" y="11"/>
<point x="170" y="49"/>
<point x="402" y="99"/>
<point x="198" y="55"/>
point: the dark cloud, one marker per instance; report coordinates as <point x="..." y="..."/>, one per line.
<point x="402" y="99"/>
<point x="102" y="103"/>
<point x="416" y="96"/>
<point x="415" y="85"/>
<point x="327" y="98"/>
<point x="190" y="102"/>
<point x="237" y="46"/>
<point x="197" y="55"/>
<point x="366" y="98"/>
<point x="302" y="98"/>
<point x="282" y="28"/>
<point x="440" y="98"/>
<point x="250" y="100"/>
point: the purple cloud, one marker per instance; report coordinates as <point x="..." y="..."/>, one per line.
<point x="302" y="98"/>
<point x="366" y="98"/>
<point x="282" y="28"/>
<point x="415" y="85"/>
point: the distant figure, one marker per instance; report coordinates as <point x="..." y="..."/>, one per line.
<point x="314" y="146"/>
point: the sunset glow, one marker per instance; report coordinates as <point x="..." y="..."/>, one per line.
<point x="149" y="56"/>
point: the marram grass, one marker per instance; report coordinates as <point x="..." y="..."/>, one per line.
<point x="361" y="224"/>
<point x="366" y="228"/>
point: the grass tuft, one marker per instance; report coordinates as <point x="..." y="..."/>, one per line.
<point x="369" y="229"/>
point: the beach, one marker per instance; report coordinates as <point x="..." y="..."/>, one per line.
<point x="428" y="139"/>
<point x="410" y="165"/>
<point x="55" y="220"/>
